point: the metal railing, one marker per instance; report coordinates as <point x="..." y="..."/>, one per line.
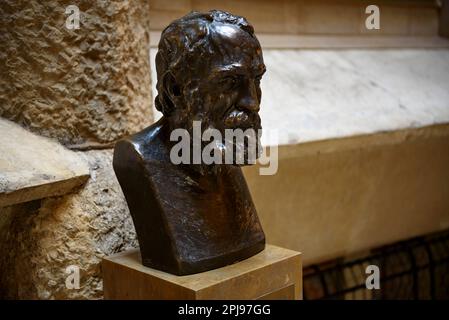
<point x="413" y="269"/>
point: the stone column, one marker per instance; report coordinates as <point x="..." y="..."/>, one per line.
<point x="86" y="88"/>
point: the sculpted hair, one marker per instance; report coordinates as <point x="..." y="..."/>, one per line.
<point x="186" y="44"/>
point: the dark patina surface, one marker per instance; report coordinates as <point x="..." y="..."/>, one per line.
<point x="191" y="218"/>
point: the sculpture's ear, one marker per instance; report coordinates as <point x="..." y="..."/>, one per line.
<point x="171" y="86"/>
<point x="172" y="93"/>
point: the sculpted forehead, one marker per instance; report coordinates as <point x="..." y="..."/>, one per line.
<point x="228" y="35"/>
<point x="233" y="43"/>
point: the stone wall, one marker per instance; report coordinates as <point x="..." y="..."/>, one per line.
<point x="312" y="17"/>
<point x="40" y="239"/>
<point x="340" y="197"/>
<point x="86" y="87"/>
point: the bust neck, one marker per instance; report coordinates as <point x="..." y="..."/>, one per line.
<point x="205" y="170"/>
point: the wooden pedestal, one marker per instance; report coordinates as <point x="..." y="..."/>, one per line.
<point x="274" y="273"/>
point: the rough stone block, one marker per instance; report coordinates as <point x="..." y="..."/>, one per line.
<point x="86" y="87"/>
<point x="33" y="167"/>
<point x="39" y="240"/>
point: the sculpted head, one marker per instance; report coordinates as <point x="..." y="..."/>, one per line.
<point x="209" y="67"/>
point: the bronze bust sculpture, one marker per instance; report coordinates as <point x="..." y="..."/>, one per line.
<point x="195" y="217"/>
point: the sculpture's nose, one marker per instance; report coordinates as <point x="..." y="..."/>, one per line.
<point x="248" y="99"/>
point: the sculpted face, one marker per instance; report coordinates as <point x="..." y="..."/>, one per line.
<point x="223" y="90"/>
<point x="230" y="83"/>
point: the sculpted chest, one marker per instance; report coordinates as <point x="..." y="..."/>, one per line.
<point x="184" y="219"/>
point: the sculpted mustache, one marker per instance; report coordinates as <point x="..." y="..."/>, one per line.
<point x="244" y="119"/>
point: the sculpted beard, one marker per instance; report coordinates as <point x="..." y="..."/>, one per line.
<point x="239" y="141"/>
<point x="249" y="147"/>
<point x="240" y="130"/>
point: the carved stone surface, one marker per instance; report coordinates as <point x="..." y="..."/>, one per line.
<point x="86" y="87"/>
<point x="195" y="217"/>
<point x="40" y="239"/>
<point x="33" y="167"/>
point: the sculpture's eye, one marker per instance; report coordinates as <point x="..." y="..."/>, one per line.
<point x="229" y="83"/>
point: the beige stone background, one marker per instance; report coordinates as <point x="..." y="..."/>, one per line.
<point x="352" y="174"/>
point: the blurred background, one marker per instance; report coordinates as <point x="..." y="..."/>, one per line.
<point x="362" y="116"/>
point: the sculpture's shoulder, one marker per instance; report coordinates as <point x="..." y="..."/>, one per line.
<point x="142" y="147"/>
